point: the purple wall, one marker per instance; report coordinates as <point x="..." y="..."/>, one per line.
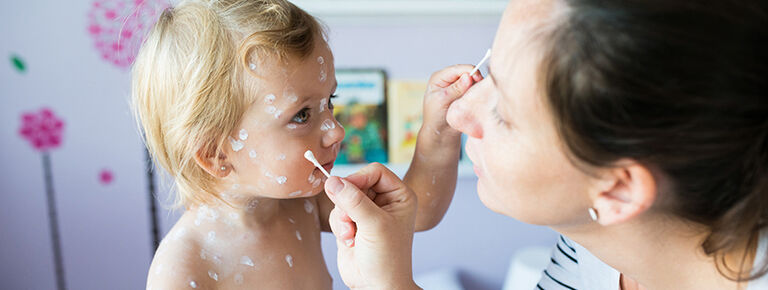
<point x="105" y="232"/>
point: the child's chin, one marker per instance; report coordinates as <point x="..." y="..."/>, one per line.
<point x="312" y="193"/>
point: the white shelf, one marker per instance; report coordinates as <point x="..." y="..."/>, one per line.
<point x="465" y="169"/>
<point x="341" y="8"/>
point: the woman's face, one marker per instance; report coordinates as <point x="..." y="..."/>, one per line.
<point x="292" y="113"/>
<point x="518" y="156"/>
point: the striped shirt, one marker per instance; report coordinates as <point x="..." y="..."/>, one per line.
<point x="572" y="267"/>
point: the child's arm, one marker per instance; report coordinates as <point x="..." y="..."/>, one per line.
<point x="433" y="170"/>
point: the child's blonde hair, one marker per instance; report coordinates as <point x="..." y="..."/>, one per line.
<point x="189" y="85"/>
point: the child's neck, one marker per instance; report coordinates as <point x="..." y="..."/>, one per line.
<point x="253" y="211"/>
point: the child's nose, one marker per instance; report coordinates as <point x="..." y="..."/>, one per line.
<point x="462" y="116"/>
<point x="335" y="134"/>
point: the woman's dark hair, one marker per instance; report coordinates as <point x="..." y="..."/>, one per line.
<point x="677" y="85"/>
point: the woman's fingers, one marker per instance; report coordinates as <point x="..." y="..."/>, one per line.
<point x="352" y="200"/>
<point x="342" y="226"/>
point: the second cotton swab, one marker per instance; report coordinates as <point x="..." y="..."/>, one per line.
<point x="477" y="67"/>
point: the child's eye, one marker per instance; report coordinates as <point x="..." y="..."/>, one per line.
<point x="330" y="101"/>
<point x="301" y="117"/>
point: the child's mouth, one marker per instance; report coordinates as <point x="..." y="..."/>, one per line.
<point x="328" y="166"/>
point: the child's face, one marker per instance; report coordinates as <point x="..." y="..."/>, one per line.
<point x="292" y="113"/>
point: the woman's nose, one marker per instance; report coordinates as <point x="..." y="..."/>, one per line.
<point x="462" y="116"/>
<point x="333" y="132"/>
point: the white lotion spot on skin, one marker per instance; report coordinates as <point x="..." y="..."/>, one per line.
<point x="291" y="126"/>
<point x="323" y="76"/>
<point x="236" y="145"/>
<point x="290" y="220"/>
<point x="205" y="213"/>
<point x="320" y="60"/>
<point x="316" y="183"/>
<point x="298" y="235"/>
<point x="281" y="179"/>
<point x="293" y="99"/>
<point x="211" y="237"/>
<point x="243" y="134"/>
<point x="323" y="105"/>
<point x="245" y="260"/>
<point x="295" y="193"/>
<point x="281" y="157"/>
<point x="289" y="260"/>
<point x="269" y="99"/>
<point x="159" y="268"/>
<point x="253" y="154"/>
<point x="217" y="259"/>
<point x="213" y="275"/>
<point x="278" y="114"/>
<point x="179" y="233"/>
<point x="327" y="125"/>
<point x="239" y="278"/>
<point x="308" y="206"/>
<point x="271" y="110"/>
<point x="252" y="205"/>
<point x="193" y="284"/>
<point x="311" y="177"/>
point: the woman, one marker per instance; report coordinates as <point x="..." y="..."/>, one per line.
<point x="636" y="129"/>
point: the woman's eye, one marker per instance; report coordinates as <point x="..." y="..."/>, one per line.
<point x="301" y="117"/>
<point x="498" y="117"/>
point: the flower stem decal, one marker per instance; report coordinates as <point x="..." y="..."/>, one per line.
<point x="44" y="131"/>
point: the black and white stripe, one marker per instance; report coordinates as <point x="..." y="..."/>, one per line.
<point x="562" y="271"/>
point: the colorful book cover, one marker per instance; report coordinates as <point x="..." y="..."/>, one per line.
<point x="405" y="118"/>
<point x="360" y="107"/>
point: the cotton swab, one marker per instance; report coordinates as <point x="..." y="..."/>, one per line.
<point x="477" y="67"/>
<point x="311" y="157"/>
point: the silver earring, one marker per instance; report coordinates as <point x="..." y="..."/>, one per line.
<point x="223" y="168"/>
<point x="592" y="213"/>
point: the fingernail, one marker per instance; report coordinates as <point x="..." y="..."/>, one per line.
<point x="334" y="185"/>
<point x="349" y="242"/>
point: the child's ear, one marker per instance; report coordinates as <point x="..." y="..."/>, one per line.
<point x="215" y="165"/>
<point x="624" y="193"/>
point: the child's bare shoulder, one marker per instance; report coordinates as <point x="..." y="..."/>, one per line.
<point x="177" y="262"/>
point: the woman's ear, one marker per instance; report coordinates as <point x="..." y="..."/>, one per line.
<point x="215" y="165"/>
<point x="624" y="193"/>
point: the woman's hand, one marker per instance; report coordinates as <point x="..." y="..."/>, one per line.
<point x="444" y="87"/>
<point x="373" y="222"/>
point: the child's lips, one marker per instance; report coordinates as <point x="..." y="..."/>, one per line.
<point x="328" y="166"/>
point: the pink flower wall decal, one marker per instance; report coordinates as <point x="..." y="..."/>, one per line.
<point x="118" y="27"/>
<point x="43" y="129"/>
<point x="106" y="176"/>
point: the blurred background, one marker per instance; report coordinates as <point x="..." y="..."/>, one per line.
<point x="75" y="189"/>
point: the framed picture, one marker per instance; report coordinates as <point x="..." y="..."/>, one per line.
<point x="404" y="116"/>
<point x="361" y="108"/>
